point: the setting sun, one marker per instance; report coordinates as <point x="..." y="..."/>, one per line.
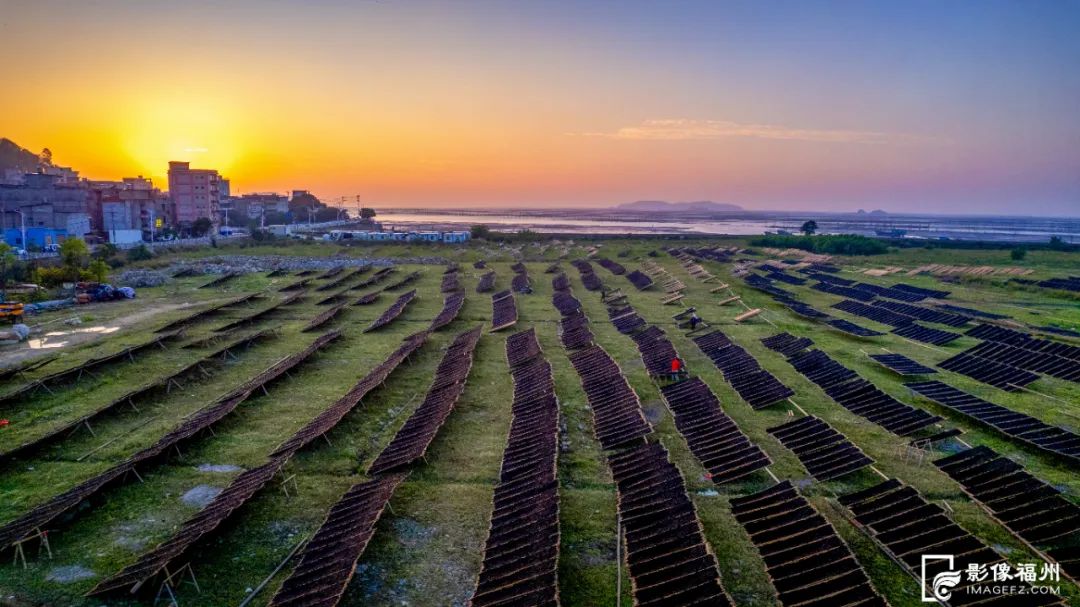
<point x="195" y="130"/>
<point x="488" y="104"/>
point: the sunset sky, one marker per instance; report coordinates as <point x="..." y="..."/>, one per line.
<point x="948" y="107"/>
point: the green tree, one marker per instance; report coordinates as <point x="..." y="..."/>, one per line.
<point x="7" y="262"/>
<point x="99" y="270"/>
<point x="201" y="226"/>
<point x="1018" y="254"/>
<point x="74" y="254"/>
<point x="326" y="214"/>
<point x="367" y="213"/>
<point x="480" y="231"/>
<point x="809" y="227"/>
<point x="301" y="206"/>
<point x="275" y="218"/>
<point x="1057" y="244"/>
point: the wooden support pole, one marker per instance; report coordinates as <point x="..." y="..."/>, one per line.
<point x="1026" y="389"/>
<point x="801" y="410"/>
<point x="879" y="472"/>
<point x="19" y="555"/>
<point x="251" y="595"/>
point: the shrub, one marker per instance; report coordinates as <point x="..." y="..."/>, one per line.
<point x="1057" y="244"/>
<point x="34" y="296"/>
<point x="843" y="244"/>
<point x="11" y="268"/>
<point x="54" y="276"/>
<point x="107" y="250"/>
<point x="139" y="253"/>
<point x="1018" y="254"/>
<point x="524" y="235"/>
<point x="201" y="226"/>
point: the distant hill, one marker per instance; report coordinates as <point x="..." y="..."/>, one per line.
<point x="12" y="156"/>
<point x="662" y="206"/>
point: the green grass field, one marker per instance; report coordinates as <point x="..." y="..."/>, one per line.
<point x="427" y="550"/>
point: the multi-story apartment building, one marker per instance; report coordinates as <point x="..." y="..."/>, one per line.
<point x="195" y="193"/>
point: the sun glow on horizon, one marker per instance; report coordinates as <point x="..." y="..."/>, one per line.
<point x="201" y="131"/>
<point x="493" y="103"/>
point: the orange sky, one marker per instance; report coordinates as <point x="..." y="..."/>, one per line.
<point x="494" y="104"/>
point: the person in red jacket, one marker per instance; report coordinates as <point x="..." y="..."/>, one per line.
<point x="676" y="369"/>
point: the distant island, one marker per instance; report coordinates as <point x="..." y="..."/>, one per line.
<point x="662" y="206"/>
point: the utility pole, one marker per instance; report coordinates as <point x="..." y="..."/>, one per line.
<point x="112" y="224"/>
<point x="151" y="227"/>
<point x="22" y="223"/>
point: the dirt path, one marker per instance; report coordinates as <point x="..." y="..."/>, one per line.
<point x="57" y="333"/>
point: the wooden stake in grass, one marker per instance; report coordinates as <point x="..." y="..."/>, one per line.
<point x="747" y="315"/>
